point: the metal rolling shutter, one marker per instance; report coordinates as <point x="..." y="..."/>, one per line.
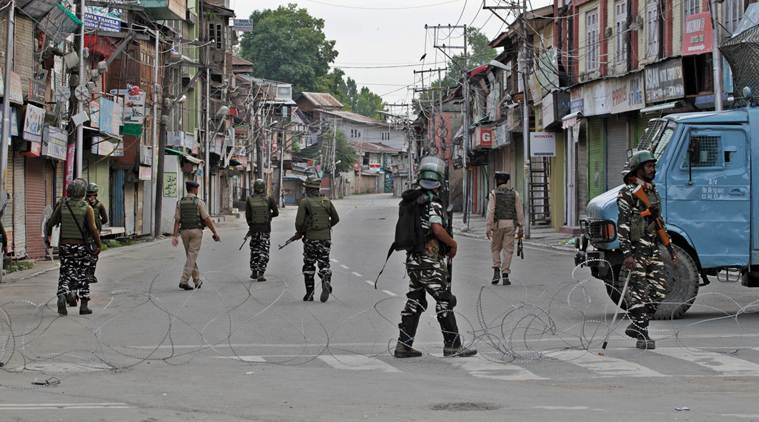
<point x="19" y="207"/>
<point x="616" y="150"/>
<point x="35" y="206"/>
<point x="596" y="158"/>
<point x="581" y="185"/>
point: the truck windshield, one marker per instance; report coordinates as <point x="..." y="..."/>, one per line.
<point x="660" y="144"/>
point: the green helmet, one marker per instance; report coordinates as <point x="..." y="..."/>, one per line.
<point x="92" y="188"/>
<point x="638" y="159"/>
<point x="313" y="183"/>
<point x="259" y="186"/>
<point x="431" y="172"/>
<point x="76" y="189"/>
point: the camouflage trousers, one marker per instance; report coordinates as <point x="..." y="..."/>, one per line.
<point x="76" y="267"/>
<point x="92" y="267"/>
<point x="428" y="274"/>
<point x="259" y="251"/>
<point x="647" y="287"/>
<point x="316" y="252"/>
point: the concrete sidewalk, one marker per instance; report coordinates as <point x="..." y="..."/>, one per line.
<point x="541" y="236"/>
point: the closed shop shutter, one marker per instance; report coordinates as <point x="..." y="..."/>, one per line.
<point x="117" y="199"/>
<point x="582" y="170"/>
<point x="7" y="217"/>
<point x="616" y="150"/>
<point x="19" y="212"/>
<point x="35" y="206"/>
<point x="596" y="158"/>
<point x="129" y="208"/>
<point x="60" y="179"/>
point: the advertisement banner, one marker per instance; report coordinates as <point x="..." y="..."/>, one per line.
<point x="134" y="107"/>
<point x="34" y="118"/>
<point x="697" y="34"/>
<point x="664" y="81"/>
<point x="627" y="94"/>
<point x="542" y="144"/>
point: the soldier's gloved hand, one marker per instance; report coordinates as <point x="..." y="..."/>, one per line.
<point x="629" y="263"/>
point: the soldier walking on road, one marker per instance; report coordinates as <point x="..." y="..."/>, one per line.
<point x="259" y="210"/>
<point x="189" y="220"/>
<point x="314" y="221"/>
<point x="638" y="242"/>
<point x="101" y="217"/>
<point x="505" y="217"/>
<point x="427" y="268"/>
<point x="79" y="239"/>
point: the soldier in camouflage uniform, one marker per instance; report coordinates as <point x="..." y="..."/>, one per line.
<point x="101" y="217"/>
<point x="259" y="210"/>
<point x="78" y="228"/>
<point x="314" y="221"/>
<point x="640" y="246"/>
<point x="428" y="272"/>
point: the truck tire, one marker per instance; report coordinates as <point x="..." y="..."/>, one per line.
<point x="682" y="285"/>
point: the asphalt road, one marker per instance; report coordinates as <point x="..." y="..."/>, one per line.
<point x="238" y="350"/>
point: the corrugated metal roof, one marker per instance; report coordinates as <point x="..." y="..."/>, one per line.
<point x="322" y="100"/>
<point x="354" y="117"/>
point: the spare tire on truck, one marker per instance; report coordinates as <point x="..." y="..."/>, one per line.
<point x="683" y="280"/>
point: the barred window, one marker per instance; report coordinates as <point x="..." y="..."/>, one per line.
<point x="707" y="155"/>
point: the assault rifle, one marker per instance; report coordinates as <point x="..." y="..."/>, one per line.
<point x="295" y="237"/>
<point x="661" y="230"/>
<point x="445" y="197"/>
<point x="520" y="248"/>
<point x="245" y="240"/>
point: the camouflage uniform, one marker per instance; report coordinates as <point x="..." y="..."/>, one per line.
<point x="260" y="244"/>
<point x="315" y="219"/>
<point x="101" y="217"/>
<point x="259" y="211"/>
<point x="638" y="238"/>
<point x="428" y="273"/>
<point x="316" y="252"/>
<point x="77" y="266"/>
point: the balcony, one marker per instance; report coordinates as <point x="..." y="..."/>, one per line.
<point x="166" y="9"/>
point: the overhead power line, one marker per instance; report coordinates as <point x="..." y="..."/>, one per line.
<point x="420" y="6"/>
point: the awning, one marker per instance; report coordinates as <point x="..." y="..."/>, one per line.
<point x="660" y="107"/>
<point x="184" y="155"/>
<point x="570" y="120"/>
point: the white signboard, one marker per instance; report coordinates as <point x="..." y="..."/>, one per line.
<point x="134" y="108"/>
<point x="542" y="144"/>
<point x="34" y="120"/>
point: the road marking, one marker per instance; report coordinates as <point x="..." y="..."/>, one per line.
<point x="604" y="366"/>
<point x="357" y="363"/>
<point x="357" y="274"/>
<point x="345" y="267"/>
<point x="369" y="282"/>
<point x="254" y="359"/>
<point x="65" y="367"/>
<point x="62" y="406"/>
<point x="482" y="368"/>
<point x="717" y="362"/>
<point x="742" y="415"/>
<point x="389" y="293"/>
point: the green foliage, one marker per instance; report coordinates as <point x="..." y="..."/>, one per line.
<point x="13" y="266"/>
<point x="345" y="89"/>
<point x="345" y="154"/>
<point x="287" y="44"/>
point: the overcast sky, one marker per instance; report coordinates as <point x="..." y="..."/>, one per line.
<point x="389" y="33"/>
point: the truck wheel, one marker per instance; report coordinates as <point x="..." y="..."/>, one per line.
<point x="682" y="284"/>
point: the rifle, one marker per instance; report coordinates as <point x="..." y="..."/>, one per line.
<point x="245" y="240"/>
<point x="295" y="237"/>
<point x="520" y="248"/>
<point x="661" y="230"/>
<point x="446" y="199"/>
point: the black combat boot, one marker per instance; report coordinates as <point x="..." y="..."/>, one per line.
<point x="638" y="330"/>
<point x="505" y="277"/>
<point x="71" y="299"/>
<point x="254" y="275"/>
<point x="326" y="288"/>
<point x="451" y="340"/>
<point x="407" y="329"/>
<point x="496" y="276"/>
<point x="62" y="305"/>
<point x="309" y="297"/>
<point x="83" y="309"/>
<point x="261" y="277"/>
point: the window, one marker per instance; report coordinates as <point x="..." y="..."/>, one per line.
<point x="591" y="43"/>
<point x="219" y="37"/>
<point x="620" y="31"/>
<point x="691" y="7"/>
<point x="732" y="13"/>
<point x="709" y="153"/>
<point x="652" y="29"/>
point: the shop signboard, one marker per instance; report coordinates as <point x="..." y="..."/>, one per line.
<point x="54" y="141"/>
<point x="34" y="119"/>
<point x="697" y="34"/>
<point x="664" y="81"/>
<point x="542" y="144"/>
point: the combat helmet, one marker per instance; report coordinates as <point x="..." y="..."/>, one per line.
<point x="313" y="182"/>
<point x="638" y="159"/>
<point x="259" y="186"/>
<point x="92" y="188"/>
<point x="431" y="172"/>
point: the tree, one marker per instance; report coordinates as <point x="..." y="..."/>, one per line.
<point x="345" y="154"/>
<point x="288" y="44"/>
<point x="362" y="101"/>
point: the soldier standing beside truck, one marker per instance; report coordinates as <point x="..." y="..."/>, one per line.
<point x="638" y="223"/>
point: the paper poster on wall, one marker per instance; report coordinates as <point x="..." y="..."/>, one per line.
<point x="170" y="184"/>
